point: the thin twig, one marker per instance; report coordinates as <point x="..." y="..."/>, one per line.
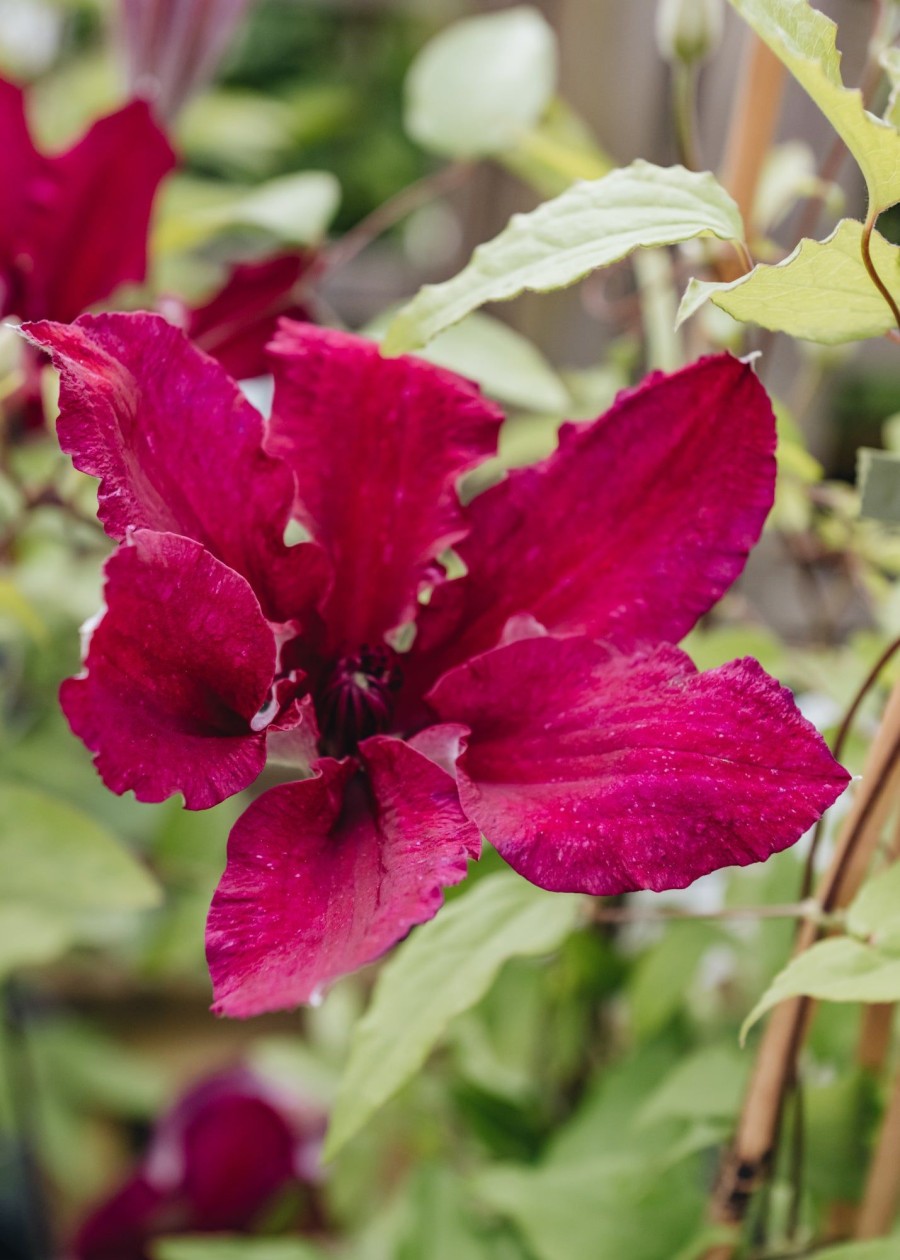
<point x="390" y="212"/>
<point x="664" y="914"/>
<point x="882" y="1192"/>
<point x="837" y="749"/>
<point x="866" y="249"/>
<point x="748" y="1162"/>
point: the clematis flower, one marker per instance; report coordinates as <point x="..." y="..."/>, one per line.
<point x="73" y="225"/>
<point x="173" y="47"/>
<point x="238" y="321"/>
<point x="542" y="701"/>
<point x="228" y="1152"/>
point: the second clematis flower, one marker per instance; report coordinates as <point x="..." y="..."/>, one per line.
<point x="538" y="699"/>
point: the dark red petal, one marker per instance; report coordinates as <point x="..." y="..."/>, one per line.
<point x="377" y="446"/>
<point x="89" y="213"/>
<point x="178" y="449"/>
<point x="327" y="873"/>
<point x="630" y="531"/>
<point x="18" y="164"/>
<point x="176" y="669"/>
<point x="596" y="772"/>
<point x="119" y="1228"/>
<point x="237" y="322"/>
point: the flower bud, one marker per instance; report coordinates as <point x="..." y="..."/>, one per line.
<point x="688" y="30"/>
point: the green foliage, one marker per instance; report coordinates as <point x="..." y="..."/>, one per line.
<point x="590" y="225"/>
<point x="878" y="477"/>
<point x="481" y="83"/>
<point x="441" y="971"/>
<point x="661" y="978"/>
<point x="863" y="967"/>
<point x="226" y="1247"/>
<point x="820" y="292"/>
<point x="804" y="39"/>
<point x="61" y="869"/>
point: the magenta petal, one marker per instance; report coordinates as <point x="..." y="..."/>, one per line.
<point x="376" y="446"/>
<point x="631" y="530"/>
<point x="18" y="164"/>
<point x="90" y="213"/>
<point x="237" y="322"/>
<point x="176" y="669"/>
<point x="595" y="772"/>
<point x="178" y="448"/>
<point x="327" y="873"/>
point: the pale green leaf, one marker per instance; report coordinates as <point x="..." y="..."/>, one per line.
<point x="482" y="82"/>
<point x="232" y="1247"/>
<point x="56" y="858"/>
<point x="444" y="968"/>
<point x="820" y="292"/>
<point x="837" y="970"/>
<point x="505" y="364"/>
<point x="874" y="913"/>
<point x="876" y="1249"/>
<point x="878" y="478"/>
<point x="31" y="936"/>
<point x="590" y="225"/>
<point x="804" y="39"/>
<point x="294" y="209"/>
<point x="599" y="1209"/>
<point x="707" y="1084"/>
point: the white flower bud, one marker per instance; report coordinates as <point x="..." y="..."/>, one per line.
<point x="688" y="30"/>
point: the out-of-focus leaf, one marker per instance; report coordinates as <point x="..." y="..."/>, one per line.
<point x="55" y="857"/>
<point x="505" y="364"/>
<point x="30" y="936"/>
<point x="820" y="292"/>
<point x="837" y="970"/>
<point x="804" y="39"/>
<point x="590" y="225"/>
<point x="878" y="478"/>
<point x="705" y="1085"/>
<point x="875" y="911"/>
<point x="663" y="974"/>
<point x="14" y="605"/>
<point x="293" y="209"/>
<point x="559" y="149"/>
<point x="876" y="1249"/>
<point x="232" y="1247"/>
<point x="444" y="968"/>
<point x="481" y="82"/>
<point x="59" y="869"/>
<point x="605" y="1208"/>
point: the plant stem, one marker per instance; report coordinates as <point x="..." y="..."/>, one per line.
<point x="748" y="1162"/>
<point x="22" y="1099"/>
<point x="840" y="740"/>
<point x="752" y="127"/>
<point x="392" y="211"/>
<point x="882" y="1192"/>
<point x="684" y="91"/>
<point x="664" y="914"/>
<point x="873" y="273"/>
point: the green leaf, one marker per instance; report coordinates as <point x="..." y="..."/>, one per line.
<point x="878" y="478"/>
<point x="231" y="1247"/>
<point x="877" y="1249"/>
<point x="59" y="868"/>
<point x="590" y="225"/>
<point x="482" y="82"/>
<point x="294" y="209"/>
<point x="662" y="975"/>
<point x="605" y="1208"/>
<point x="820" y="292"/>
<point x="838" y="970"/>
<point x="30" y="937"/>
<point x="444" y="968"/>
<point x="804" y="39"/>
<point x="874" y="913"/>
<point x="505" y="364"/>
<point x="57" y="858"/>
<point x="707" y="1084"/>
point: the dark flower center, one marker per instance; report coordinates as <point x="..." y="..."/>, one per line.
<point x="356" y="699"/>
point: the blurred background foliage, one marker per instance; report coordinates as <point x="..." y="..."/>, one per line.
<point x="575" y="1111"/>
